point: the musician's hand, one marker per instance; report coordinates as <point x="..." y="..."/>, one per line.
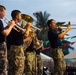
<point x="69" y="27"/>
<point x="37" y="43"/>
<point x="59" y="28"/>
<point x="29" y="25"/>
<point x="12" y="23"/>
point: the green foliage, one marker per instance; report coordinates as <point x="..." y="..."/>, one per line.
<point x="41" y="18"/>
<point x="41" y="21"/>
<point x="66" y="47"/>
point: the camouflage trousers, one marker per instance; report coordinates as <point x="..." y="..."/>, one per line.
<point x="16" y="60"/>
<point x="39" y="65"/>
<point x="30" y="63"/>
<point x="3" y="59"/>
<point x="59" y="61"/>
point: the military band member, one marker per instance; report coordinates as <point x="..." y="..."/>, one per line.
<point x="16" y="55"/>
<point x="30" y="56"/>
<point x="54" y="37"/>
<point x="39" y="62"/>
<point x="33" y="63"/>
<point x="3" y="33"/>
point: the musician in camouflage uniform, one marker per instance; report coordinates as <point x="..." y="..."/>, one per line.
<point x="16" y="55"/>
<point x="31" y="57"/>
<point x="39" y="62"/>
<point x="54" y="37"/>
<point x="30" y="61"/>
<point x="39" y="66"/>
<point x="3" y="48"/>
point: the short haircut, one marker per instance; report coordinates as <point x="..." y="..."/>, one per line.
<point x="49" y="21"/>
<point x="2" y="7"/>
<point x="14" y="13"/>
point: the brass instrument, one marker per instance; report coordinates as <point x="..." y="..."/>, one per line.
<point x="66" y="25"/>
<point x="17" y="27"/>
<point x="32" y="35"/>
<point x="26" y="18"/>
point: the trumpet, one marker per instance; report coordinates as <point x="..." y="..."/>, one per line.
<point x="17" y="27"/>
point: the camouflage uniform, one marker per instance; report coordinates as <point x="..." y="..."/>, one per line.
<point x="30" y="63"/>
<point x="33" y="63"/>
<point x="59" y="61"/>
<point x="30" y="56"/>
<point x="39" y="64"/>
<point x="16" y="60"/>
<point x="3" y="59"/>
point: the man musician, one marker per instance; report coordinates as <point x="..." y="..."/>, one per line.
<point x="15" y="49"/>
<point x="4" y="32"/>
<point x="54" y="38"/>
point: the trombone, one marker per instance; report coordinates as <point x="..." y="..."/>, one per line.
<point x="66" y="25"/>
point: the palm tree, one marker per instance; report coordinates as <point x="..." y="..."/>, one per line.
<point x="41" y="21"/>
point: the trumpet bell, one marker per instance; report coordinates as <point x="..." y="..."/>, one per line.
<point x="27" y="18"/>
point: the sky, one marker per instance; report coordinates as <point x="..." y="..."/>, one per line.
<point x="60" y="10"/>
